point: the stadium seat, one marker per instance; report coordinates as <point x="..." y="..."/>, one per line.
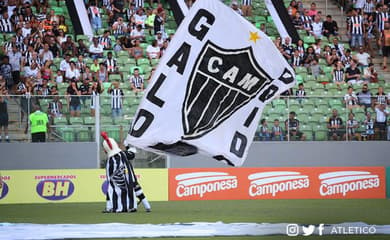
<point x="89" y="120"/>
<point x="309" y="39"/>
<point x="76" y="121"/>
<point x="83" y="134"/>
<point x="60" y="121"/>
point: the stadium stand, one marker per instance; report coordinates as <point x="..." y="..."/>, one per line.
<point x="44" y="34"/>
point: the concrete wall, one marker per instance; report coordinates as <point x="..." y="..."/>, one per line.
<point x="261" y="154"/>
<point x="47" y="156"/>
<point x="301" y="154"/>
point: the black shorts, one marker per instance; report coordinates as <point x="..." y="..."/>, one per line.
<point x="338" y="132"/>
<point x="380" y="126"/>
<point x="386" y="51"/>
<point x="38" y="137"/>
<point x="296" y="133"/>
<point x="3" y="119"/>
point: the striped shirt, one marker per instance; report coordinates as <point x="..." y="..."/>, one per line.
<point x="300" y="93"/>
<point x="116" y="98"/>
<point x="356" y="25"/>
<point x="368" y="7"/>
<point x="338" y="75"/>
<point x="5" y="25"/>
<point x="111" y="65"/>
<point x="105" y="42"/>
<point x="306" y="21"/>
<point x="120" y="28"/>
<point x="381" y="99"/>
<point x="54" y="108"/>
<point x="137" y="81"/>
<point x="138" y="3"/>
<point x="247" y="2"/>
<point x="296" y="60"/>
<point x="381" y="19"/>
<point x="351" y="124"/>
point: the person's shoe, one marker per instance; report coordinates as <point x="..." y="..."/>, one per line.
<point x="148" y="210"/>
<point x="7" y="140"/>
<point x="108" y="211"/>
<point x="132" y="210"/>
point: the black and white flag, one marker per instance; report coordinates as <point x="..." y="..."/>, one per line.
<point x="210" y="87"/>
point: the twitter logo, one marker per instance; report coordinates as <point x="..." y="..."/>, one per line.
<point x="309" y="230"/>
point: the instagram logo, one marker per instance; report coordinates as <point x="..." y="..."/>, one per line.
<point x="292" y="230"/>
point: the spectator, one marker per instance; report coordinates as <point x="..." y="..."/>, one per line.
<point x="112" y="66"/>
<point x="300" y="93"/>
<point x="297" y="21"/>
<point x="292" y="127"/>
<point x="43" y="89"/>
<point x="352" y="126"/>
<point x="235" y="7"/>
<point x="263" y="28"/>
<point x="369" y="34"/>
<point x="61" y="38"/>
<point x="82" y="48"/>
<point x="6" y="72"/>
<point x="95" y="66"/>
<point x="105" y="40"/>
<point x="296" y="59"/>
<point x="85" y="90"/>
<point x="315" y="68"/>
<point x="292" y="9"/>
<point x="119" y="28"/>
<point x="362" y="58"/>
<point x="310" y="56"/>
<point x="65" y="64"/>
<point x="59" y="78"/>
<point x="137" y="52"/>
<point x="246" y="8"/>
<point x="346" y="59"/>
<point x="130" y="11"/>
<point x="160" y="39"/>
<point x="140" y="17"/>
<point x="73" y="98"/>
<point x="69" y="47"/>
<point x="15" y="59"/>
<point x="116" y="99"/>
<point x="159" y="21"/>
<point x="137" y="81"/>
<point x="301" y="48"/>
<point x="102" y="74"/>
<point x="313" y="10"/>
<point x="95" y="49"/>
<point x="368" y="124"/>
<point x="306" y="19"/>
<point x="55" y="108"/>
<point x="277" y="131"/>
<point x="353" y="74"/>
<point x="356" y="29"/>
<point x="264" y="133"/>
<point x="382" y="16"/>
<point x="317" y="27"/>
<point x="149" y="23"/>
<point x="94" y="16"/>
<point x="87" y="75"/>
<point x="330" y="27"/>
<point x="338" y="74"/>
<point x="381" y="121"/>
<point x="364" y="97"/>
<point x="380" y="97"/>
<point x="137" y="33"/>
<point x="287" y="48"/>
<point x="350" y="99"/>
<point x="333" y="58"/>
<point x="386" y="45"/>
<point x="164" y="47"/>
<point x="338" y="46"/>
<point x="80" y="64"/>
<point x="117" y="8"/>
<point x="370" y="74"/>
<point x="96" y="89"/>
<point x="4" y="98"/>
<point x="46" y="54"/>
<point x="72" y="73"/>
<point x="335" y="126"/>
<point x="153" y="51"/>
<point x="118" y="46"/>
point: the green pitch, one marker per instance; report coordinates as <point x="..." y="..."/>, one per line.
<point x="260" y="211"/>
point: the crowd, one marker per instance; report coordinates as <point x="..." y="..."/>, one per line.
<point x="41" y="53"/>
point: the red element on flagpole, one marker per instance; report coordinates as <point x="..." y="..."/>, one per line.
<point x="105" y="137"/>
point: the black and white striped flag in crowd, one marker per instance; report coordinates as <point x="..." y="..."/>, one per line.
<point x="276" y="9"/>
<point x="209" y="89"/>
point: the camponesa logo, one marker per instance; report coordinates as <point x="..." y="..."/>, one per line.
<point x="55" y="189"/>
<point x="201" y="183"/>
<point x="272" y="183"/>
<point x="342" y="182"/>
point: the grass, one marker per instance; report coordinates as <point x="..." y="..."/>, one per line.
<point x="373" y="211"/>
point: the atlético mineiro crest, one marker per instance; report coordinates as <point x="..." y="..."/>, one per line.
<point x="221" y="82"/>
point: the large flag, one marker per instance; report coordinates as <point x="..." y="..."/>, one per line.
<point x="210" y="87"/>
<point x="276" y="9"/>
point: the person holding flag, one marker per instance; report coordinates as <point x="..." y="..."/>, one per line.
<point x="123" y="187"/>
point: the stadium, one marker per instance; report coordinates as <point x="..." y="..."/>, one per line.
<point x="194" y="119"/>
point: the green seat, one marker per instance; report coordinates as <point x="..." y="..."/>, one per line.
<point x="141" y="70"/>
<point x="323" y="78"/>
<point x="300" y="70"/>
<point x="143" y="61"/>
<point x="309" y="39"/>
<point x="321" y="135"/>
<point x="83" y="134"/>
<point x="310" y="78"/>
<point x="60" y="121"/>
<point x="335" y="103"/>
<point x="104" y="120"/>
<point x="321" y="102"/>
<point x="114" y="77"/>
<point x="113" y="132"/>
<point x="76" y="121"/>
<point x="89" y="120"/>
